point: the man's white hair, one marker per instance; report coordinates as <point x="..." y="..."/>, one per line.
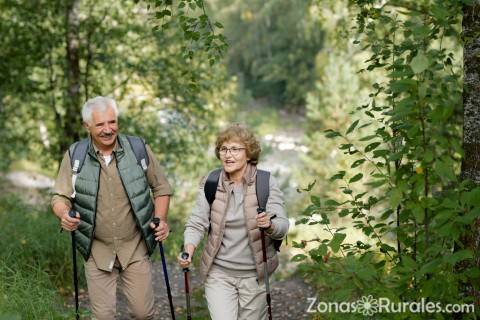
<point x="100" y="104"/>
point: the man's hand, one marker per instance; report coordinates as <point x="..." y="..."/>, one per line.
<point x="263" y="220"/>
<point x="68" y="223"/>
<point x="162" y="231"/>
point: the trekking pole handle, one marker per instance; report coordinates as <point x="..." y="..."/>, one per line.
<point x="156" y="221"/>
<point x="260" y="210"/>
<point x="72" y="213"/>
<point x="185" y="256"/>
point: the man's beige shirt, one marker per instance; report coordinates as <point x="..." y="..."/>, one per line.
<point x="116" y="233"/>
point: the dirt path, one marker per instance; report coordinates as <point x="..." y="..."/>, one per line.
<point x="289" y="297"/>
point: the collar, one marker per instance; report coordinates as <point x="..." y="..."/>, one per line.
<point x="117" y="148"/>
<point x="248" y="177"/>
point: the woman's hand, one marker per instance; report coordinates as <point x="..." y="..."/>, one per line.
<point x="185" y="263"/>
<point x="263" y="221"/>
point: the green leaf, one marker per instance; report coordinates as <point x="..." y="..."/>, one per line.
<point x="298" y="257"/>
<point x="337" y="241"/>
<point x="444" y="169"/>
<point x="308" y="188"/>
<point x="331" y="203"/>
<point x="402" y="85"/>
<point x="381" y="153"/>
<point x="338" y="176"/>
<point x="311" y="209"/>
<point x="372" y="146"/>
<point x="472" y="197"/>
<point x="366" y="273"/>
<point x="343" y="213"/>
<point x="352" y="127"/>
<point x="356" y="178"/>
<point x="419" y="63"/>
<point x="395" y="197"/>
<point x="302" y="221"/>
<point x="318" y="253"/>
<point x="357" y="163"/>
<point x="385" y="248"/>
<point x="316" y="201"/>
<point x="299" y="244"/>
<point x="370" y="137"/>
<point x="218" y="25"/>
<point x="331" y="134"/>
<point x="458" y="256"/>
<point x="376" y="183"/>
<point x="345" y="146"/>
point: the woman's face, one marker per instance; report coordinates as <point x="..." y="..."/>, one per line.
<point x="234" y="157"/>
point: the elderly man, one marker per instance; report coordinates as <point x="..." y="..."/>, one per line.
<point x="112" y="197"/>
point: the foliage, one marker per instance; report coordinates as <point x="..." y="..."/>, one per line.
<point x="412" y="207"/>
<point x="199" y="36"/>
<point x="272" y="47"/>
<point x="119" y="56"/>
<point x="338" y="90"/>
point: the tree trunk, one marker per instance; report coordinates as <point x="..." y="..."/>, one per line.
<point x="72" y="120"/>
<point x="471" y="126"/>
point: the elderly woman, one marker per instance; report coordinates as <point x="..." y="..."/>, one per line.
<point x="231" y="263"/>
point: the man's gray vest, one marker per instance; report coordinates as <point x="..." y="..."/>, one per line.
<point x="134" y="182"/>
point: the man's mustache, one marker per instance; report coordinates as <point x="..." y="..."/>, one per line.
<point x="106" y="135"/>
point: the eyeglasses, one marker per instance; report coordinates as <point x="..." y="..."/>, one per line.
<point x="234" y="151"/>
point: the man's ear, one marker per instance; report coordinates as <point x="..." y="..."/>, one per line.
<point x="86" y="126"/>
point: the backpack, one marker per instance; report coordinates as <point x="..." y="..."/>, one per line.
<point x="78" y="152"/>
<point x="262" y="187"/>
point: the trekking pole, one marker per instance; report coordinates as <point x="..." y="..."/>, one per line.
<point x="72" y="214"/>
<point x="187" y="288"/>
<point x="156" y="221"/>
<point x="265" y="272"/>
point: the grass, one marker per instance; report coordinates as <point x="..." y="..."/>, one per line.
<point x="34" y="262"/>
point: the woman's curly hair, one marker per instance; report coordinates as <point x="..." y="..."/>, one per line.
<point x="240" y="133"/>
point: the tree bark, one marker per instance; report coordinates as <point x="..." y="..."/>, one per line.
<point x="72" y="121"/>
<point x="471" y="126"/>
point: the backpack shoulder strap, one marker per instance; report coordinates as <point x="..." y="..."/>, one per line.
<point x="140" y="150"/>
<point x="262" y="186"/>
<point x="211" y="184"/>
<point x="77" y="153"/>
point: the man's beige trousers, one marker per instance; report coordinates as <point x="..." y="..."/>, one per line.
<point x="136" y="286"/>
<point x="232" y="298"/>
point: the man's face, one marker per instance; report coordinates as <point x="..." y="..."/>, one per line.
<point x="103" y="128"/>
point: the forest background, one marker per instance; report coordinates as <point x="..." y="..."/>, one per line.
<point x="367" y="113"/>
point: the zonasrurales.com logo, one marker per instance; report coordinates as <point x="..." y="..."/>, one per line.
<point x="367" y="305"/>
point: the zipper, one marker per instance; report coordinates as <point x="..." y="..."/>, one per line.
<point x="133" y="210"/>
<point x="223" y="219"/>
<point x="95" y="209"/>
